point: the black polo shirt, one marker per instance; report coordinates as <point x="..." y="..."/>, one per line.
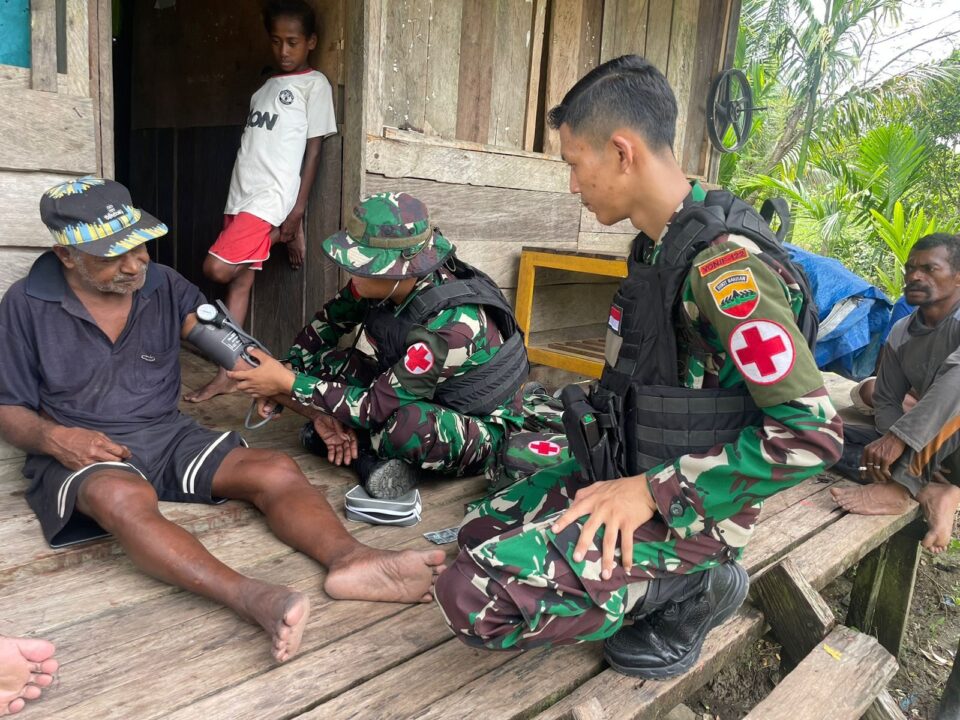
<point x="57" y="360"/>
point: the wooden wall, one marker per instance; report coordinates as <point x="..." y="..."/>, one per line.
<point x="449" y="100"/>
<point x="194" y="68"/>
<point x="54" y="125"/>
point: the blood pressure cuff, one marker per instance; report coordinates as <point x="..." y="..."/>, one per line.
<point x="221" y="345"/>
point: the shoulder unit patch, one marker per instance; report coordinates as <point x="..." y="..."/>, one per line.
<point x="721" y="261"/>
<point x="735" y="293"/>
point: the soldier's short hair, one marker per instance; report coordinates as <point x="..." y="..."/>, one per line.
<point x="626" y="91"/>
<point x="950" y="242"/>
<point x="298" y="9"/>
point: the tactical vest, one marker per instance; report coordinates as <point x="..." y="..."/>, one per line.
<point x="643" y="416"/>
<point x="483" y="388"/>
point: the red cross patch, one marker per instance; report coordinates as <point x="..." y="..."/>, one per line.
<point x="763" y="351"/>
<point x="544" y="447"/>
<point x="419" y="359"/>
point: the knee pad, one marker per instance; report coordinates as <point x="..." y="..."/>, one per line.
<point x="220" y="339"/>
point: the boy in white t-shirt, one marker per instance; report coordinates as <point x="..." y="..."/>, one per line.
<point x="289" y="117"/>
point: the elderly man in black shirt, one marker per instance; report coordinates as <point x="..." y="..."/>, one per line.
<point x="89" y="381"/>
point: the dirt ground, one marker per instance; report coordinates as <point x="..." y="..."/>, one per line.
<point x="925" y="662"/>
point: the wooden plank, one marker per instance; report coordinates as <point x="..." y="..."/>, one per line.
<point x="475" y="81"/>
<point x="886" y="708"/>
<point x="20" y="223"/>
<point x="79" y="41"/>
<point x="322" y="220"/>
<point x="680" y="66"/>
<point x="392" y="133"/>
<point x="466" y="213"/>
<point x="569" y="306"/>
<point x="510" y="81"/>
<point x="103" y="101"/>
<point x="731" y="30"/>
<point x="624" y="28"/>
<point x="574" y="49"/>
<point x="320" y="675"/>
<point x="839" y="679"/>
<point x="694" y="154"/>
<point x="823" y="558"/>
<point x="659" y="22"/>
<point x="500" y="260"/>
<point x="44" y="131"/>
<point x="328" y="58"/>
<point x="43" y="45"/>
<point x="443" y="68"/>
<point x="534" y="72"/>
<point x="15" y="263"/>
<point x="523" y="685"/>
<point x="408" y="689"/>
<point x="799" y="617"/>
<point x="405" y="53"/>
<point x="361" y="95"/>
<point x="398" y="159"/>
<point x="883" y="589"/>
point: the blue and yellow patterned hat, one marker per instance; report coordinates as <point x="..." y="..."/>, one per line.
<point x="97" y="216"/>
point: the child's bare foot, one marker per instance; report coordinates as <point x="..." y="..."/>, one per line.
<point x="26" y="667"/>
<point x="939" y="503"/>
<point x="385" y="575"/>
<point x="297" y="248"/>
<point x="875" y="499"/>
<point x="280" y="611"/>
<point x="220" y="385"/>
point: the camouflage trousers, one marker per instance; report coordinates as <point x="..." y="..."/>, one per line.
<point x="424" y="434"/>
<point x="515" y="584"/>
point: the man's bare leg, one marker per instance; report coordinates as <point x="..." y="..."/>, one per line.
<point x="126" y="506"/>
<point x="239" y="280"/>
<point x="876" y="499"/>
<point x="300" y="515"/>
<point x="26" y="667"/>
<point x="939" y="502"/>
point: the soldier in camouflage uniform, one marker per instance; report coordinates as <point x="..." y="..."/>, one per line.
<point x="539" y="562"/>
<point x="389" y="410"/>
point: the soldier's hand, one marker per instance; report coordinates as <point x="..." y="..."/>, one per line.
<point x="879" y="455"/>
<point x="75" y="448"/>
<point x="341" y="441"/>
<point x="620" y="507"/>
<point x="268" y="378"/>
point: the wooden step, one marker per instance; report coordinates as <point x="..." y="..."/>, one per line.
<point x="839" y="680"/>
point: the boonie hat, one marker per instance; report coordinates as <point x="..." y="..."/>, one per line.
<point x="97" y="216"/>
<point x="389" y="235"/>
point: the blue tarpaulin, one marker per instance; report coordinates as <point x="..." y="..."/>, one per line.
<point x="854" y="315"/>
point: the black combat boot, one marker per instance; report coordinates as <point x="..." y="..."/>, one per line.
<point x="385" y="479"/>
<point x="673" y="620"/>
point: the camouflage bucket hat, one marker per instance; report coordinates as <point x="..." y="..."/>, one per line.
<point x="389" y="235"/>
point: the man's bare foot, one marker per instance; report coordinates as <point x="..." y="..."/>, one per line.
<point x="220" y="385"/>
<point x="939" y="503"/>
<point x="385" y="575"/>
<point x="26" y="667"/>
<point x="875" y="499"/>
<point x="280" y="611"/>
<point x="297" y="248"/>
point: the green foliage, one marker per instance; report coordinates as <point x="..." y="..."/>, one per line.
<point x="867" y="170"/>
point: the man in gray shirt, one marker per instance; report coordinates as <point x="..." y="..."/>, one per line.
<point x="89" y="381"/>
<point x="918" y="455"/>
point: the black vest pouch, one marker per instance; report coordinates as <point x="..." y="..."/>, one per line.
<point x="662" y="423"/>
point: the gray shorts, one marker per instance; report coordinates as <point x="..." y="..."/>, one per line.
<point x="178" y="458"/>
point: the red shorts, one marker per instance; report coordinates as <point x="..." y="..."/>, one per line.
<point x="245" y="239"/>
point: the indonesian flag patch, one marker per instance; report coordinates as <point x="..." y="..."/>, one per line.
<point x="545" y="448"/>
<point x="763" y="351"/>
<point x="418" y="359"/>
<point x="616" y="315"/>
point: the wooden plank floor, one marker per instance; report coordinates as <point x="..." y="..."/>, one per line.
<point x="132" y="648"/>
